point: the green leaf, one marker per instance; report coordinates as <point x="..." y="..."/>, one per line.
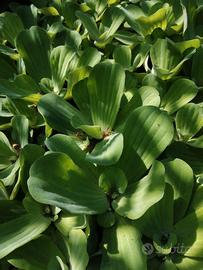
<point x="141" y="53"/>
<point x="72" y="39"/>
<point x="10" y="26"/>
<point x="159" y="19"/>
<point x="179" y="94"/>
<point x="122" y="247"/>
<point x="113" y="180"/>
<point x="124" y="113"/>
<point x="168" y="265"/>
<point x="68" y="10"/>
<point x="149" y="96"/>
<point x="197" y="66"/>
<point x="189" y="233"/>
<point x="3" y="192"/>
<point x="197" y="200"/>
<point x="90" y="57"/>
<point x="106" y="220"/>
<point x="180" y="176"/>
<point x="75" y="76"/>
<point x="146" y="24"/>
<point x="10" y="209"/>
<point x="6" y="151"/>
<point x="166" y="59"/>
<point x="28" y="15"/>
<point x="26" y="160"/>
<point x="78" y="250"/>
<point x="8" y="175"/>
<point x="185" y="263"/>
<point x="89" y="24"/>
<point x="147" y="132"/>
<point x="189" y="120"/>
<point x="184" y="45"/>
<point x="7" y="69"/>
<point x="19" y="231"/>
<point x="78" y="122"/>
<point x="35" y="255"/>
<point x="81" y="97"/>
<point x="196" y="142"/>
<point x="122" y="55"/>
<point x="137" y="199"/>
<point x="57" y="112"/>
<point x="57" y="264"/>
<point x="22" y="86"/>
<point x="37" y="63"/>
<point x="20" y="125"/>
<point x="193" y="156"/>
<point x="60" y="58"/>
<point x="158" y="219"/>
<point x="111" y="21"/>
<point x="74" y="190"/>
<point x="108" y="151"/>
<point x="65" y="144"/>
<point x="105" y="95"/>
<point x="67" y="222"/>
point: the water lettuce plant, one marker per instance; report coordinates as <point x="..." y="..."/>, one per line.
<point x="101" y="135"/>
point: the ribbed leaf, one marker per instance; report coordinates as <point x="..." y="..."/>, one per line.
<point x="78" y="250"/>
<point x="197" y="67"/>
<point x="105" y="93"/>
<point x="167" y="59"/>
<point x="89" y="24"/>
<point x="3" y="192"/>
<point x="8" y="175"/>
<point x="81" y="97"/>
<point x="145" y="25"/>
<point x="122" y="247"/>
<point x="197" y="200"/>
<point x="35" y="255"/>
<point x="57" y="112"/>
<point x="196" y="142"/>
<point x="20" y="125"/>
<point x="10" y="26"/>
<point x="122" y="55"/>
<point x="189" y="120"/>
<point x="90" y="57"/>
<point x="5" y="148"/>
<point x="7" y="70"/>
<point x="17" y="232"/>
<point x="149" y="96"/>
<point x="26" y="160"/>
<point x="148" y="131"/>
<point x="180" y="176"/>
<point x="179" y="94"/>
<point x="113" y="179"/>
<point x="22" y="86"/>
<point x="67" y="222"/>
<point x="158" y="220"/>
<point x="37" y="63"/>
<point x="66" y="144"/>
<point x="193" y="156"/>
<point x="111" y="21"/>
<point x="108" y="151"/>
<point x="137" y="199"/>
<point x="185" y="263"/>
<point x="73" y="191"/>
<point x="60" y="58"/>
<point x="189" y="233"/>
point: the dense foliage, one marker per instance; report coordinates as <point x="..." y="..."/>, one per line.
<point x="101" y="119"/>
